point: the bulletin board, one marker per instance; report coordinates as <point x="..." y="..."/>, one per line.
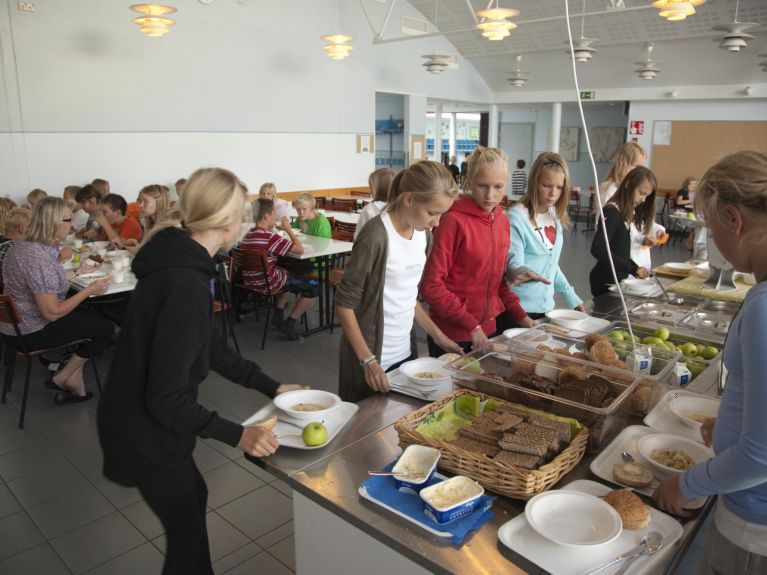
<point x="696" y="146"/>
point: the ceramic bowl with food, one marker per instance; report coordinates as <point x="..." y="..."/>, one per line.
<point x="671" y="454"/>
<point x="573" y="519"/>
<point x="638" y="286"/>
<point x="426" y="372"/>
<point x="451" y="499"/>
<point x="567" y="318"/>
<point x="309" y="404"/>
<point x="416" y="466"/>
<point x="692" y="410"/>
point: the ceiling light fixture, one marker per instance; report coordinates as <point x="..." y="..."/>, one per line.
<point x="648" y="69"/>
<point x="675" y="11"/>
<point x="494" y="25"/>
<point x="582" y="46"/>
<point x="436" y="63"/>
<point x="518" y="77"/>
<point x="734" y="37"/>
<point x="153" y="22"/>
<point x="337" y="47"/>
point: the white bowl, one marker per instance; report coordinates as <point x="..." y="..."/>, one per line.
<point x="569" y="318"/>
<point x="411" y="369"/>
<point x="638" y="286"/>
<point x="683" y="406"/>
<point x="573" y="519"/>
<point x="648" y="444"/>
<point x="287" y="401"/>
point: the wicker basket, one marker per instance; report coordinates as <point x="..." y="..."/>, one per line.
<point x="501" y="478"/>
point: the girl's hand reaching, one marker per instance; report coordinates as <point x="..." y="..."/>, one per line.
<point x="707" y="431"/>
<point x="258" y="442"/>
<point x="376" y="378"/>
<point x="643" y="273"/>
<point x="478" y="339"/>
<point x="447" y="344"/>
<point x="286" y="387"/>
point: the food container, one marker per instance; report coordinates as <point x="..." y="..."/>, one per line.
<point x="451" y="499"/>
<point x="288" y="402"/>
<point x="712" y="316"/>
<point x="417" y="369"/>
<point x="504" y="375"/>
<point x="649" y="444"/>
<point x="416" y="459"/>
<point x="685" y="407"/>
<point x="568" y="318"/>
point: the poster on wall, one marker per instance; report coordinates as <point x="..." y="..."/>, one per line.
<point x="568" y="143"/>
<point x="661" y="135"/>
<point x="364" y="144"/>
<point x="605" y="142"/>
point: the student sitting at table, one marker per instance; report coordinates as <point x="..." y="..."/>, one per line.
<point x="116" y="226"/>
<point x="634" y="202"/>
<point x="268" y="191"/>
<point x="262" y="238"/>
<point x="379" y="182"/>
<point x="79" y="215"/>
<point x="686" y="194"/>
<point x="377" y="300"/>
<point x="38" y="284"/>
<point x="14" y="226"/>
<point x="88" y="197"/>
<point x="310" y="221"/>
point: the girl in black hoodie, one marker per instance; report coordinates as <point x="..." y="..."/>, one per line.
<point x="148" y="416"/>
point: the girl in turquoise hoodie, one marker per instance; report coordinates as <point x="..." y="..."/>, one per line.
<point x="537" y="224"/>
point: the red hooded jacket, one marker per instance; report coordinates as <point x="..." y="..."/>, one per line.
<point x="463" y="280"/>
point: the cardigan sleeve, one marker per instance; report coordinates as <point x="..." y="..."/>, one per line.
<point x="515" y="264"/>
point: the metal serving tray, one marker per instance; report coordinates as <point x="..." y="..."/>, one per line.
<point x="713" y="316"/>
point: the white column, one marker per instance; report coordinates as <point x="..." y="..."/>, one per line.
<point x="556" y="125"/>
<point x="492" y="127"/>
<point x="451" y="138"/>
<point x="438" y="133"/>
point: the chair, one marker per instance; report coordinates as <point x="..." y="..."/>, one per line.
<point x="341" y="205"/>
<point x="223" y="304"/>
<point x="343" y="236"/>
<point x="331" y="221"/>
<point x="320" y="201"/>
<point x="18" y="347"/>
<point x="346" y="227"/>
<point x="256" y="262"/>
<point x="362" y="193"/>
<point x="589" y="211"/>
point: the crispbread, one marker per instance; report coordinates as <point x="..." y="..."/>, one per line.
<point x="524" y="444"/>
<point x="519" y="459"/>
<point x="475" y="446"/>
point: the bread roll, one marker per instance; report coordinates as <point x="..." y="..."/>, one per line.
<point x="267" y="423"/>
<point x="632" y="474"/>
<point x="634" y="513"/>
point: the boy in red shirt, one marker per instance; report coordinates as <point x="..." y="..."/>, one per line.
<point x="114" y="223"/>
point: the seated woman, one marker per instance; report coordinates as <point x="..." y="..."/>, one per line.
<point x="38" y="284"/>
<point x="310" y="221"/>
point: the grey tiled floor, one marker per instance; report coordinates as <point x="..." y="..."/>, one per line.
<point x="59" y="515"/>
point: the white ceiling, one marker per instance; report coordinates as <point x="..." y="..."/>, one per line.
<point x="687" y="50"/>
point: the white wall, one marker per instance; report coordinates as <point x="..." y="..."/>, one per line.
<point x="242" y="85"/>
<point x="723" y="110"/>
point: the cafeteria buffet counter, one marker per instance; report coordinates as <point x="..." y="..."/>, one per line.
<point x="336" y="531"/>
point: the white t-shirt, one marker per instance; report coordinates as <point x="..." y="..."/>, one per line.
<point x="368" y="213"/>
<point x="544" y="223"/>
<point x="79" y="219"/>
<point x="404" y="267"/>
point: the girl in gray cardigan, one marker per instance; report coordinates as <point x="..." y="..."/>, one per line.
<point x="376" y="301"/>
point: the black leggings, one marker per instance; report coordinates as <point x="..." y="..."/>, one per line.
<point x="178" y="496"/>
<point x="79" y="324"/>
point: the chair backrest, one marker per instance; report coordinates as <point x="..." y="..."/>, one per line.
<point x="332" y="221"/>
<point x="9" y="314"/>
<point x="362" y="193"/>
<point x="253" y="261"/>
<point x="341" y="205"/>
<point x="226" y="261"/>
<point x="575" y="197"/>
<point x="320" y="201"/>
<point x="343" y="236"/>
<point x="345" y="227"/>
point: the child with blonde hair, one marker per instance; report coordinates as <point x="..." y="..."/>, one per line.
<point x="310" y="221"/>
<point x="629" y="156"/>
<point x="378" y="182"/>
<point x="377" y="300"/>
<point x="35" y="196"/>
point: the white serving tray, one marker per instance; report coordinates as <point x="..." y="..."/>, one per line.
<point x="602" y="464"/>
<point x="291" y="428"/>
<point x="365" y="495"/>
<point x="518" y="536"/>
<point x="664" y="420"/>
<point x="399" y="383"/>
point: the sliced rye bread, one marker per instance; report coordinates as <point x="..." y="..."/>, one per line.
<point x="522" y="460"/>
<point x="474" y="446"/>
<point x="524" y="444"/>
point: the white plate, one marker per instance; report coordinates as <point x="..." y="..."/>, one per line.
<point x="650" y="294"/>
<point x="681" y="266"/>
<point x="401" y="384"/>
<point x="518" y="536"/>
<point x="663" y="419"/>
<point x="292" y="428"/>
<point x="602" y="464"/>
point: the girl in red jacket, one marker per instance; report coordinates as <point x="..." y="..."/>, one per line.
<point x="463" y="281"/>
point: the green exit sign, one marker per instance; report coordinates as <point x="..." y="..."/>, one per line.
<point x="588" y="94"/>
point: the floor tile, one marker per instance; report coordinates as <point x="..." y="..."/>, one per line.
<point x="282" y="487"/>
<point x="223" y="538"/>
<point x="45" y="484"/>
<point x="8" y="503"/>
<point x="263" y="564"/>
<point x="234" y="559"/>
<point x="62" y="514"/>
<point x="25" y="461"/>
<point x="144" y="519"/>
<point x="97" y="542"/>
<point x="14" y="439"/>
<point x="39" y="560"/>
<point x="285" y="551"/>
<point x="255" y="469"/>
<point x="118" y="495"/>
<point x="18" y="533"/>
<point x="275" y="536"/>
<point x="143" y="559"/>
<point x="229" y="482"/>
<point x="228" y="451"/>
<point x="259" y="512"/>
<point x="207" y="458"/>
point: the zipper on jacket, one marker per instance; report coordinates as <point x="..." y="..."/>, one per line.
<point x="492" y="261"/>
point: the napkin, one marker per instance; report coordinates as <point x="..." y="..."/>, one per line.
<point x="383" y="489"/>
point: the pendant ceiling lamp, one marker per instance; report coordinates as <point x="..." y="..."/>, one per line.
<point x="648" y="68"/>
<point x="494" y="25"/>
<point x="582" y="48"/>
<point x="153" y="21"/>
<point x="734" y="37"/>
<point x="675" y="11"/>
<point x="518" y="77"/>
<point x="337" y="46"/>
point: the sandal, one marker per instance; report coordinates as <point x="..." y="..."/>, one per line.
<point x="63" y="397"/>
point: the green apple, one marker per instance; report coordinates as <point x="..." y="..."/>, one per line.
<point x="695" y="368"/>
<point x="656" y="341"/>
<point x="690" y="216"/>
<point x="616" y="335"/>
<point x="670" y="346"/>
<point x="662" y="333"/>
<point x="471" y="365"/>
<point x="708" y="352"/>
<point x="314" y="434"/>
<point x="690" y="349"/>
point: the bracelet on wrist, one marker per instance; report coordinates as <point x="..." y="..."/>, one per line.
<point x="369" y="360"/>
